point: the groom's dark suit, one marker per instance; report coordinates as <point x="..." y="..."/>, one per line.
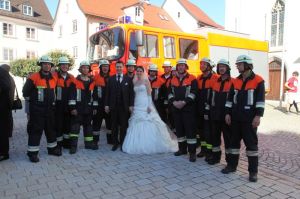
<point x="119" y="98"/>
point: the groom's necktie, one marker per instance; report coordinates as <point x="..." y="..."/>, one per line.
<point x="119" y="78"/>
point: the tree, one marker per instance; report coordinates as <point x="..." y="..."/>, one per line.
<point x="56" y="54"/>
<point x="22" y="67"/>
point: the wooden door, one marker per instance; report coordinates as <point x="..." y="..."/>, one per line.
<point x="274" y="78"/>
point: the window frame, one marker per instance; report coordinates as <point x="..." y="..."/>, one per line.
<point x="75" y="52"/>
<point x="74" y="26"/>
<point x="30" y="33"/>
<point x="277" y="24"/>
<point x="9" y="25"/>
<point x="27" y="10"/>
<point x="181" y="55"/>
<point x="32" y="54"/>
<point x="173" y="46"/>
<point x="10" y="54"/>
<point x="6" y="5"/>
<point x="146" y="46"/>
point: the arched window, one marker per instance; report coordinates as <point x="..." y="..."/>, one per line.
<point x="277" y="25"/>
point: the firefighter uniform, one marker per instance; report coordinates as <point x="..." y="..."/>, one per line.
<point x="62" y="113"/>
<point x="100" y="89"/>
<point x="167" y="113"/>
<point x="246" y="100"/>
<point x="158" y="92"/>
<point x="39" y="89"/>
<point x="184" y="89"/>
<point x="218" y="97"/>
<point x="83" y="99"/>
<point x="204" y="125"/>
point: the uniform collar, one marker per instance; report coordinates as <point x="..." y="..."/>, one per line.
<point x="251" y="76"/>
<point x="43" y="76"/>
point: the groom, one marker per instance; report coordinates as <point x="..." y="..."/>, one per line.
<point x="119" y="102"/>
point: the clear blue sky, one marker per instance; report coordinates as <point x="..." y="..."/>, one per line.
<point x="214" y="8"/>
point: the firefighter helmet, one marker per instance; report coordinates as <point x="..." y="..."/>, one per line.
<point x="167" y="64"/>
<point x="245" y="59"/>
<point x="224" y="62"/>
<point x="63" y="60"/>
<point x="85" y="63"/>
<point x="182" y="61"/>
<point x="103" y="62"/>
<point x="131" y="62"/>
<point x="45" y="59"/>
<point x="153" y="67"/>
<point x="207" y="60"/>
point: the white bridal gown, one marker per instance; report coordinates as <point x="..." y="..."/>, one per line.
<point x="147" y="133"/>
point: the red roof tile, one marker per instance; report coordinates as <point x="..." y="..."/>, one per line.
<point x="198" y="14"/>
<point x="112" y="9"/>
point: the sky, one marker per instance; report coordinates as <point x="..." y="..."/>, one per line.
<point x="215" y="9"/>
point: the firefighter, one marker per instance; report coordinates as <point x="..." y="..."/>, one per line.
<point x="83" y="104"/>
<point x="39" y="89"/>
<point x="62" y="114"/>
<point x="182" y="96"/>
<point x="204" y="85"/>
<point x="167" y="76"/>
<point x="174" y="71"/>
<point x="100" y="87"/>
<point x="244" y="108"/>
<point x="218" y="96"/>
<point x="158" y="90"/>
<point x="131" y="65"/>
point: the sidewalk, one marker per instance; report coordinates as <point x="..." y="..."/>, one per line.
<point x="107" y="174"/>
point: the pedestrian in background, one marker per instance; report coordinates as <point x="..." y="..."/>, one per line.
<point x="292" y="86"/>
<point x="7" y="93"/>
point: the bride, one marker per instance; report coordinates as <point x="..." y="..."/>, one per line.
<point x="146" y="133"/>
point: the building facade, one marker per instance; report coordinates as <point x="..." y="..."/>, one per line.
<point x="26" y="29"/>
<point x="274" y="21"/>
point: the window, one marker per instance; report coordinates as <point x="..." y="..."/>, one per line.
<point x="74" y="26"/>
<point x="189" y="49"/>
<point x="137" y="11"/>
<point x="169" y="47"/>
<point x="5" y="5"/>
<point x="60" y="31"/>
<point x="8" y="54"/>
<point x="178" y="14"/>
<point x="150" y="46"/>
<point x="30" y="33"/>
<point x="277" y="24"/>
<point x="27" y="10"/>
<point x="8" y="29"/>
<point x="75" y="51"/>
<point x="30" y="54"/>
<point x="132" y="46"/>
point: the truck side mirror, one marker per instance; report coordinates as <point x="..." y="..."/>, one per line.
<point x="139" y="37"/>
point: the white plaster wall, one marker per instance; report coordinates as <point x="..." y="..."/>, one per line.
<point x="19" y="43"/>
<point x="186" y="22"/>
<point x="66" y="13"/>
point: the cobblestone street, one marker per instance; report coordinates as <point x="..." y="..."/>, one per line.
<point x="107" y="174"/>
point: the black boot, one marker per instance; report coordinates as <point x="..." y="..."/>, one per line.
<point x="90" y="145"/>
<point x="192" y="157"/>
<point x="202" y="153"/>
<point x="73" y="149"/>
<point x="66" y="143"/>
<point x="4" y="157"/>
<point x="228" y="169"/>
<point x="216" y="157"/>
<point x="109" y="138"/>
<point x="182" y="149"/>
<point x="73" y="145"/>
<point x="208" y="156"/>
<point x="253" y="176"/>
<point x="96" y="139"/>
<point x="33" y="157"/>
<point x="179" y="153"/>
<point x="56" y="151"/>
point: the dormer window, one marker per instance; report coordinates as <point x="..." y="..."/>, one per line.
<point x="5" y="5"/>
<point x="137" y="11"/>
<point x="27" y="10"/>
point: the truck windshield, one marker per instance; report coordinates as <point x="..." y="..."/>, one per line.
<point x="108" y="44"/>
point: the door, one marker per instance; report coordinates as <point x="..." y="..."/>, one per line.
<point x="274" y="74"/>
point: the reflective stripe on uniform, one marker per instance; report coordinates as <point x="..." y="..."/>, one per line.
<point x="72" y="102"/>
<point x="66" y="136"/>
<point x="203" y="143"/>
<point x="252" y="153"/>
<point x="260" y="105"/>
<point x="250" y="97"/>
<point x="95" y="103"/>
<point x="96" y="132"/>
<point x="228" y="104"/>
<point x="191" y="141"/>
<point x="58" y="93"/>
<point x="73" y="135"/>
<point x="192" y="96"/>
<point x="208" y="146"/>
<point x="170" y="96"/>
<point x="78" y="95"/>
<point x="216" y="149"/>
<point x="235" y="151"/>
<point x="155" y="93"/>
<point x="187" y="91"/>
<point x="182" y="139"/>
<point x="88" y="139"/>
<point x="59" y="139"/>
<point x="213" y="103"/>
<point x="51" y="145"/>
<point x="99" y="91"/>
<point x="228" y="151"/>
<point x="206" y="106"/>
<point x="235" y="96"/>
<point x="33" y="148"/>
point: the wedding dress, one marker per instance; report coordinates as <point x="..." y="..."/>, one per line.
<point x="147" y="133"/>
